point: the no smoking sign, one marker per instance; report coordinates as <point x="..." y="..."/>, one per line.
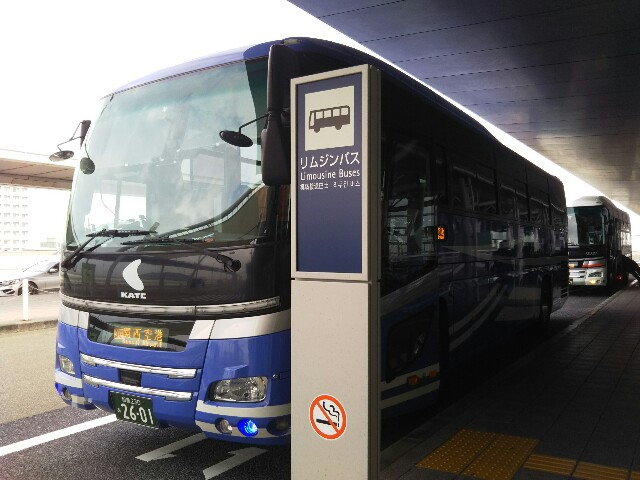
<point x="328" y="417"/>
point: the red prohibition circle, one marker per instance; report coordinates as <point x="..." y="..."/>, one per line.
<point x="336" y="429"/>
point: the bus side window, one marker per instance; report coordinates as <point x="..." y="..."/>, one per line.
<point x="522" y="201"/>
<point x="441" y="178"/>
<point x="557" y="214"/>
<point x="536" y="210"/>
<point x="410" y="214"/>
<point x="486" y="187"/>
<point x="539" y="207"/>
<point x="507" y="201"/>
<point x="463" y="187"/>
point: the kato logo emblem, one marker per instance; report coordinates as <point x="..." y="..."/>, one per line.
<point x="130" y="275"/>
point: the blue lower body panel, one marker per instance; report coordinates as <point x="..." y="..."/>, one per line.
<point x="267" y="356"/>
<point x="181" y="398"/>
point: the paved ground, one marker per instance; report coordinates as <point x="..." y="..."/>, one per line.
<point x="569" y="409"/>
<point x="27" y="361"/>
<point x="42" y="312"/>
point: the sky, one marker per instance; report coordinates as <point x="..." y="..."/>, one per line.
<point x="60" y="57"/>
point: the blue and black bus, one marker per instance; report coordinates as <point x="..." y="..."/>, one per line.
<point x="176" y="275"/>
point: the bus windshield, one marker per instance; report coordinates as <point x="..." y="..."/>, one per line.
<point x="154" y="159"/>
<point x="587" y="225"/>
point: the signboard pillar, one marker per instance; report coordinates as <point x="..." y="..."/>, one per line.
<point x="335" y="275"/>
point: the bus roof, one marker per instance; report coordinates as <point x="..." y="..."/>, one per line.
<point x="349" y="55"/>
<point x="208" y="61"/>
<point x="595" y="200"/>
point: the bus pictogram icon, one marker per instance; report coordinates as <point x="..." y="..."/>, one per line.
<point x="328" y="417"/>
<point x="329" y="117"/>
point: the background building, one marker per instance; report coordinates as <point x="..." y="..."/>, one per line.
<point x="14" y="218"/>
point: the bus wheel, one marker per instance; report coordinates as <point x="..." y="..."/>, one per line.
<point x="544" y="313"/>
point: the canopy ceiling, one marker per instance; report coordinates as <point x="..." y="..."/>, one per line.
<point x="31" y="170"/>
<point x="561" y="76"/>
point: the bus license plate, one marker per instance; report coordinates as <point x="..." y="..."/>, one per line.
<point x="133" y="409"/>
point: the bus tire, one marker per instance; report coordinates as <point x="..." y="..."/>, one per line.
<point x="544" y="311"/>
<point x="613" y="284"/>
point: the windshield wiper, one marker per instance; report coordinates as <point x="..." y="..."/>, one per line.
<point x="229" y="263"/>
<point x="102" y="233"/>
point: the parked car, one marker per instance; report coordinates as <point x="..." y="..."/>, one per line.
<point x="43" y="275"/>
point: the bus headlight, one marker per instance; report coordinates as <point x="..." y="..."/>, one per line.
<point x="66" y="365"/>
<point x="249" y="389"/>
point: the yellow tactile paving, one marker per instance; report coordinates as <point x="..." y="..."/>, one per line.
<point x="502" y="458"/>
<point x="458" y="452"/>
<point x="592" y="471"/>
<point x="491" y="456"/>
<point x="545" y="463"/>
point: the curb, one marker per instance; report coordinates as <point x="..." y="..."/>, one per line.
<point x="25" y="326"/>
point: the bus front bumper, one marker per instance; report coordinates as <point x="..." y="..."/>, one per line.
<point x="90" y="381"/>
<point x="589" y="277"/>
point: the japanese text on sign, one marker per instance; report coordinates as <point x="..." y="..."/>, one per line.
<point x="140" y="337"/>
<point x="322" y="172"/>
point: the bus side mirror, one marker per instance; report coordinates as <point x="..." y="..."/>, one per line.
<point x="276" y="168"/>
<point x="83" y="126"/>
<point x="276" y="136"/>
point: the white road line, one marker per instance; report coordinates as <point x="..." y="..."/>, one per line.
<point x="165" y="452"/>
<point x="239" y="457"/>
<point x="48" y="437"/>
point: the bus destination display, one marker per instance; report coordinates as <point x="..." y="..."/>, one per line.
<point x="144" y="337"/>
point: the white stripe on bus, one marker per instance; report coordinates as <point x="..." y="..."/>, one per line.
<point x="262" y="432"/>
<point x="467" y="318"/>
<point x="458" y="341"/>
<point x="255" y="412"/>
<point x="405" y="397"/>
<point x="67" y="380"/>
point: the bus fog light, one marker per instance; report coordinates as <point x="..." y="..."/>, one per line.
<point x="282" y="423"/>
<point x="66" y="365"/>
<point x="249" y="389"/>
<point x="279" y="426"/>
<point x="224" y="426"/>
<point x="248" y="428"/>
<point x="65" y="394"/>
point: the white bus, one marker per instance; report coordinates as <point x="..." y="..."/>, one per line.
<point x="599" y="235"/>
